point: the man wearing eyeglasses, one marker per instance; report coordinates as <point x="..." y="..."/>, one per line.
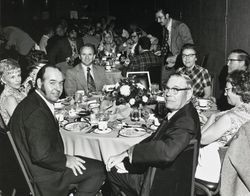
<point x="160" y="153"/>
<point x="238" y="59"/>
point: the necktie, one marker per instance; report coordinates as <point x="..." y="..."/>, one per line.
<point x="90" y="81"/>
<point x="165" y="46"/>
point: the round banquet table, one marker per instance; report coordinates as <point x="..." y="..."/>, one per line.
<point x="97" y="146"/>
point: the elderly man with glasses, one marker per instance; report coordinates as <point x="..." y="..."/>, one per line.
<point x="159" y="152"/>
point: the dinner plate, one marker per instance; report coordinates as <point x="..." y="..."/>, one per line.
<point x="82" y="127"/>
<point x="99" y="131"/>
<point x="203" y="108"/>
<point x="132" y="132"/>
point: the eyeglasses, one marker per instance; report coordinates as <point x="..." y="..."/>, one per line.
<point x="175" y="91"/>
<point x="188" y="55"/>
<point x="232" y="60"/>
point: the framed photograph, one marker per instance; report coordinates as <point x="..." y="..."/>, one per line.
<point x="142" y="76"/>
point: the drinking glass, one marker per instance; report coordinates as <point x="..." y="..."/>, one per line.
<point x="155" y="88"/>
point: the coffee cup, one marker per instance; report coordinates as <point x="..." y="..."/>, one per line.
<point x="102" y="125"/>
<point x="108" y="67"/>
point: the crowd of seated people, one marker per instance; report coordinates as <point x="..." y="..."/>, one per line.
<point x="67" y="43"/>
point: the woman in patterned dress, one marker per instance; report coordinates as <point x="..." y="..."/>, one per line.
<point x="221" y="127"/>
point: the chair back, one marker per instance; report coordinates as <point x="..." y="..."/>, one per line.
<point x="155" y="74"/>
<point x="177" y="178"/>
<point x="24" y="169"/>
<point x="209" y="188"/>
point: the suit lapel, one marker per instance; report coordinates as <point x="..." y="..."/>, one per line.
<point x="173" y="33"/>
<point x="80" y="75"/>
<point x="46" y="108"/>
<point x="96" y="75"/>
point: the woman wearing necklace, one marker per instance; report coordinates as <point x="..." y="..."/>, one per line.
<point x="10" y="74"/>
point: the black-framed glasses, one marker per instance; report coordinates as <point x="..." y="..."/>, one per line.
<point x="233" y="60"/>
<point x="174" y="90"/>
<point x="187" y="55"/>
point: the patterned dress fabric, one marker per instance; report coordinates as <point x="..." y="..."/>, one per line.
<point x="200" y="77"/>
<point x="209" y="164"/>
<point x="8" y="91"/>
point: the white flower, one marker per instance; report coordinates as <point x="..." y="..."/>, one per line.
<point x="144" y="99"/>
<point x="140" y="85"/>
<point x="132" y="101"/>
<point x="125" y="90"/>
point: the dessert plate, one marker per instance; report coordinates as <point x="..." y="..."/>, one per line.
<point x="132" y="132"/>
<point x="82" y="127"/>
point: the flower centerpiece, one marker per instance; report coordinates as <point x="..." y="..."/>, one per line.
<point x="131" y="91"/>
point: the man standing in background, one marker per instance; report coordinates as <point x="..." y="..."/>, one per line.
<point x="175" y="34"/>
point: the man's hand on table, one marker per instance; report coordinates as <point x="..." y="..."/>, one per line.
<point x="115" y="160"/>
<point x="75" y="163"/>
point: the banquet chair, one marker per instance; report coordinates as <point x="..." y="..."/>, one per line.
<point x="183" y="173"/>
<point x="25" y="171"/>
<point x="208" y="188"/>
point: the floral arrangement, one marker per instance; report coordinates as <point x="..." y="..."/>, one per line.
<point x="131" y="91"/>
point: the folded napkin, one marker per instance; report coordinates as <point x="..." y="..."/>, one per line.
<point x="121" y="168"/>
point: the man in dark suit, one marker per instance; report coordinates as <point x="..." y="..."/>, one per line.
<point x="77" y="77"/>
<point x="162" y="149"/>
<point x="36" y="134"/>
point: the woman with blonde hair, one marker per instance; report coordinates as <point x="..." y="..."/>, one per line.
<point x="107" y="46"/>
<point x="10" y="75"/>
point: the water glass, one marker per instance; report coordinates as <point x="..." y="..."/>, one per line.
<point x="155" y="88"/>
<point x="135" y="115"/>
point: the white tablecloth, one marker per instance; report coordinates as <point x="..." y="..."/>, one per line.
<point x="97" y="146"/>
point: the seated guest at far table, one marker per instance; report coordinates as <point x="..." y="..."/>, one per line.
<point x="107" y="45"/>
<point x="145" y="59"/>
<point x="66" y="49"/>
<point x="10" y="74"/>
<point x="86" y="75"/>
<point x="161" y="149"/>
<point x="199" y="75"/>
<point x="36" y="134"/>
<point x="221" y="127"/>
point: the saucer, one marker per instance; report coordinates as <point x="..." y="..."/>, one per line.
<point x="203" y="108"/>
<point x="99" y="131"/>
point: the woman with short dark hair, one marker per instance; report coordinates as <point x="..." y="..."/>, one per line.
<point x="221" y="127"/>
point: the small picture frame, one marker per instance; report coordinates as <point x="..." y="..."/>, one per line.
<point x="142" y="76"/>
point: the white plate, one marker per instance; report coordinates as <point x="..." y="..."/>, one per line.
<point x="82" y="127"/>
<point x="132" y="132"/>
<point x="99" y="131"/>
<point x="203" y="108"/>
